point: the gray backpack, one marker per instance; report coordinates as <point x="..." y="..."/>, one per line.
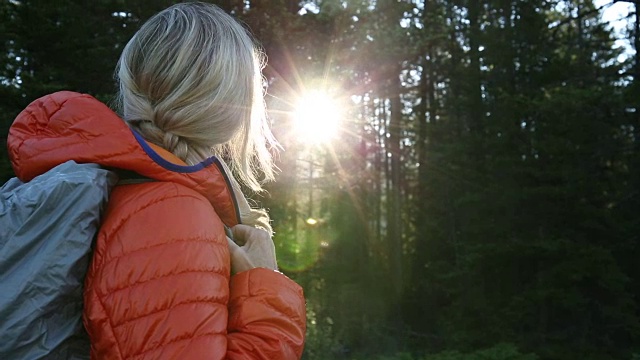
<point x="47" y="227"/>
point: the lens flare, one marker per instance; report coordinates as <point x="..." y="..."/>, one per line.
<point x="317" y="117"/>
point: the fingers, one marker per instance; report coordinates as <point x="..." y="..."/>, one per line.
<point x="243" y="233"/>
<point x="239" y="259"/>
<point x="233" y="247"/>
<point x="251" y="247"/>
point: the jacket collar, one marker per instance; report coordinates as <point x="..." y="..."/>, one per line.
<point x="71" y="126"/>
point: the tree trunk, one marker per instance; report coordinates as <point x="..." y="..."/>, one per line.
<point x="476" y="111"/>
<point x="394" y="224"/>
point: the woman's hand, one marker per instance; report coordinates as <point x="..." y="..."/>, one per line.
<point x="251" y="248"/>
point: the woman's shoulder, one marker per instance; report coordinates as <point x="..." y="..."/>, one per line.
<point x="157" y="215"/>
<point x="153" y="202"/>
<point x="165" y="223"/>
<point x="160" y="261"/>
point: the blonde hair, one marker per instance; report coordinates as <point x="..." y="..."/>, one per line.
<point x="190" y="81"/>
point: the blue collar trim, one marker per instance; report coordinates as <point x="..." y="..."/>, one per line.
<point x="185" y="169"/>
<point x="167" y="164"/>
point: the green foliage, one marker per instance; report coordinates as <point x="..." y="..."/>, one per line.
<point x="399" y="356"/>
<point x="502" y="351"/>
<point x="497" y="352"/>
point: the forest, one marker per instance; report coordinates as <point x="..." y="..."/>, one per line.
<point x="480" y="195"/>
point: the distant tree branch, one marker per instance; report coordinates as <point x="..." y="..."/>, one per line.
<point x="581" y="16"/>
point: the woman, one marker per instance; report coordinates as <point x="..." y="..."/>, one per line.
<point x="159" y="285"/>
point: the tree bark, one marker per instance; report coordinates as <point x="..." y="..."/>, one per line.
<point x="476" y="110"/>
<point x="394" y="222"/>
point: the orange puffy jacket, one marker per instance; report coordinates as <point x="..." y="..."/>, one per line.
<point x="159" y="284"/>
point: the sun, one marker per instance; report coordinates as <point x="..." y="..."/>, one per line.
<point x="316" y="117"/>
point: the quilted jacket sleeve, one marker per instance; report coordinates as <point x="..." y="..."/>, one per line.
<point x="266" y="316"/>
<point x="159" y="286"/>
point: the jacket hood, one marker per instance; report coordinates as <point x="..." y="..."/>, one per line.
<point x="70" y="126"/>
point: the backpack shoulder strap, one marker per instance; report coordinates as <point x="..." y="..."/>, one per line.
<point x="128" y="177"/>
